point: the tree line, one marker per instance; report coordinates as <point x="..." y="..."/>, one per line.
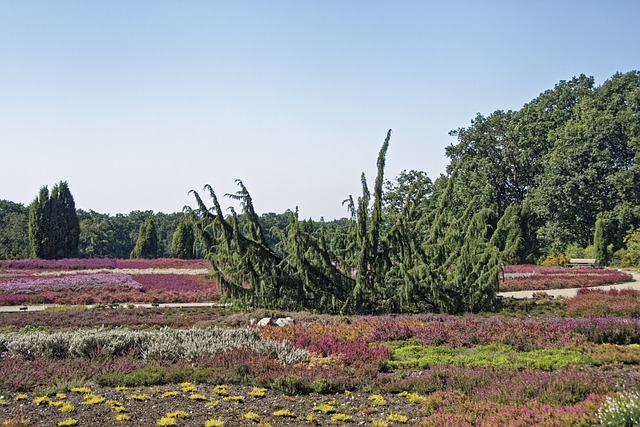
<point x="97" y="235"/>
<point x="141" y="234"/>
<point x="570" y="158"/>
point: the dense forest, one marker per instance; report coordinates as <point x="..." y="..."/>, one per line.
<point x="556" y="179"/>
<point x="115" y="236"/>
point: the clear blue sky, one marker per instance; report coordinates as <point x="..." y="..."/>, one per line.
<point x="136" y="102"/>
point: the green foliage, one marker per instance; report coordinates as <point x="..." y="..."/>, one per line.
<point x="398" y="252"/>
<point x="54" y="227"/>
<point x="555" y="260"/>
<point x="494" y="355"/>
<point x="570" y="155"/>
<point x="183" y="243"/>
<point x="591" y="153"/>
<point x="631" y="254"/>
<point x="97" y="235"/>
<point x="147" y="243"/>
<point x="39" y="227"/>
<point x="14" y="230"/>
<point x="602" y="252"/>
<point x="460" y="266"/>
<point x="574" y="250"/>
<point x="291" y="385"/>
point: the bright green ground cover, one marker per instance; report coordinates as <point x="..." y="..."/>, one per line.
<point x="491" y="355"/>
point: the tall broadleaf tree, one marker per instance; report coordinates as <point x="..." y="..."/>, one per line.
<point x="14" y="230"/>
<point x="591" y="164"/>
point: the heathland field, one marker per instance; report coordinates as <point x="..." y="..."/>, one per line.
<point x="96" y="358"/>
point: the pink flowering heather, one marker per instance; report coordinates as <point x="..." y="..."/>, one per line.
<point x="466" y="331"/>
<point x="452" y="408"/>
<point x="600" y="303"/>
<point x="174" y="282"/>
<point x="607" y="330"/>
<point x="140" y="263"/>
<point x="528" y="277"/>
<point x="30" y="285"/>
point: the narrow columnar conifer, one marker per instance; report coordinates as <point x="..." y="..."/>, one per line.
<point x="600" y="242"/>
<point x="54" y="227"/>
<point x="39" y="234"/>
<point x="183" y="243"/>
<point x="147" y="243"/>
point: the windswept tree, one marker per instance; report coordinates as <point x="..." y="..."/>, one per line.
<point x="54" y="228"/>
<point x="395" y="254"/>
<point x="298" y="274"/>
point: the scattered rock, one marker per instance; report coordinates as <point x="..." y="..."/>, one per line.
<point x="282" y="321"/>
<point x="265" y="321"/>
<point x="269" y="321"/>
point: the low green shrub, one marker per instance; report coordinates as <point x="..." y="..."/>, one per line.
<point x="323" y="386"/>
<point x="290" y="385"/>
<point x="491" y="355"/>
<point x="159" y="375"/>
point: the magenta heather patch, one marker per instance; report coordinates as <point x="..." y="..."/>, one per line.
<point x="30" y="285"/>
<point x="174" y="282"/>
<point x="140" y="263"/>
<point x="530" y="277"/>
<point x="468" y="331"/>
<point x="607" y="330"/>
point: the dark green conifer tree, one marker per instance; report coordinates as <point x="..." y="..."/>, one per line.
<point x="54" y="227"/>
<point x="600" y="242"/>
<point x="183" y="243"/>
<point x="39" y="225"/>
<point x="65" y="225"/>
<point x="147" y="244"/>
<point x="421" y="259"/>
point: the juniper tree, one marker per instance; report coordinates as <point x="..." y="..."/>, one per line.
<point x="39" y="225"/>
<point x="600" y="242"/>
<point x="65" y="225"/>
<point x="183" y="243"/>
<point x="299" y="274"/>
<point x="147" y="243"/>
<point x="54" y="228"/>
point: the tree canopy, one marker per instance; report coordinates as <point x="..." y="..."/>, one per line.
<point x="571" y="155"/>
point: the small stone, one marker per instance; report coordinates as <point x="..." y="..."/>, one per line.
<point x="282" y="321"/>
<point x="265" y="321"/>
